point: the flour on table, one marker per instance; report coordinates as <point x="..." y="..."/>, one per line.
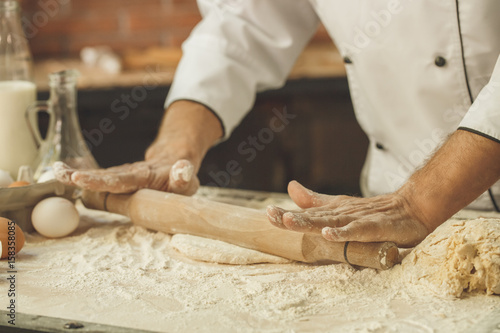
<point x="458" y="256"/>
<point x="112" y="272"/>
<point x="209" y="250"/>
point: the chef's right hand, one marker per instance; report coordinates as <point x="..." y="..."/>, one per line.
<point x="188" y="130"/>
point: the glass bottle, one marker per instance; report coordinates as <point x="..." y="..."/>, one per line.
<point x="17" y="90"/>
<point x="64" y="141"/>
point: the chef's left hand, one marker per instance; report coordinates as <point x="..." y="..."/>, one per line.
<point x="341" y="218"/>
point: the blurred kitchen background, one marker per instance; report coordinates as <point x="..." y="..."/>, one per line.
<point x="323" y="147"/>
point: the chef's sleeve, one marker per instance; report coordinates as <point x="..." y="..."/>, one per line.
<point x="239" y="48"/>
<point x="483" y="117"/>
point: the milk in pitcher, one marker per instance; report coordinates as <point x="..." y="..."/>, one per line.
<point x="17" y="146"/>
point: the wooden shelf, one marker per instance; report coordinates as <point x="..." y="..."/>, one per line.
<point x="321" y="61"/>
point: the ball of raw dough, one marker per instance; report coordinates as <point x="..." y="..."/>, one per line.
<point x="10" y="236"/>
<point x="5" y="178"/>
<point x="458" y="256"/>
<point x="55" y="217"/>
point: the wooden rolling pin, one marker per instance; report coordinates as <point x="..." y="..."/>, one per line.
<point x="246" y="227"/>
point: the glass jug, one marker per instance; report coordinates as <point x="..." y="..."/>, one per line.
<point x="64" y="141"/>
<point x="17" y="91"/>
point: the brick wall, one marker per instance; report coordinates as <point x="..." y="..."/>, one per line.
<point x="61" y="28"/>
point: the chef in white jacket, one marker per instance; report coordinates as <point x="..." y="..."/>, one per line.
<point x="424" y="77"/>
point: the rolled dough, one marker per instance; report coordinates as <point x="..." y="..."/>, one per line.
<point x="458" y="256"/>
<point x="209" y="250"/>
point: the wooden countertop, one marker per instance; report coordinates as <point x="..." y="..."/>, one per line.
<point x="158" y="64"/>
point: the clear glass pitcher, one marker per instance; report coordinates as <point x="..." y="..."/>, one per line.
<point x="64" y="141"/>
<point x="17" y="91"/>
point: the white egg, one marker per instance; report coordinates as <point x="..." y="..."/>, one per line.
<point x="55" y="217"/>
<point x="5" y="178"/>
<point x="47" y="176"/>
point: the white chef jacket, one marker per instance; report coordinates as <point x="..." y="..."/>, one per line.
<point x="417" y="70"/>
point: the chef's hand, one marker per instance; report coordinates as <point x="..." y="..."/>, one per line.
<point x="461" y="170"/>
<point x="341" y="218"/>
<point x="171" y="163"/>
<point x="158" y="174"/>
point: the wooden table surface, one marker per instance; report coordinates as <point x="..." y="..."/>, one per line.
<point x="112" y="273"/>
